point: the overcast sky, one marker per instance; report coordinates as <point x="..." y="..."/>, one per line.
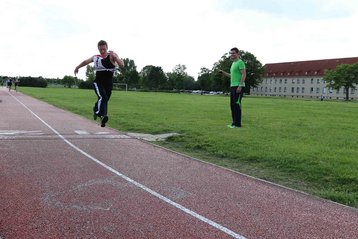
<point x="50" y="38"/>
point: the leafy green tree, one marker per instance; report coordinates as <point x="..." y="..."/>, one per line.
<point x="153" y="78"/>
<point x="254" y="70"/>
<point x="189" y="83"/>
<point x="68" y="81"/>
<point x="220" y="82"/>
<point x="345" y="75"/>
<point x="204" y="79"/>
<point x="128" y="74"/>
<point x="90" y="74"/>
<point x="33" y="81"/>
<point x="177" y="77"/>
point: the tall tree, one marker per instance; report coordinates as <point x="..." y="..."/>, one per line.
<point x="68" y="81"/>
<point x="128" y="74"/>
<point x="153" y="78"/>
<point x="220" y="82"/>
<point x="177" y="77"/>
<point x="90" y="74"/>
<point x="254" y="70"/>
<point x="345" y="75"/>
<point x="204" y="81"/>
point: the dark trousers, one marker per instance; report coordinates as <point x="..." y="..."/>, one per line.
<point x="103" y="94"/>
<point x="235" y="107"/>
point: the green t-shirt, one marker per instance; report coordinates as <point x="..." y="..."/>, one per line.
<point x="235" y="72"/>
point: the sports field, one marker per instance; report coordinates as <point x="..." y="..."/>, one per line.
<point x="307" y="145"/>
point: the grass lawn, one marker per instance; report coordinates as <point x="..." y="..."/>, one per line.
<point x="306" y="145"/>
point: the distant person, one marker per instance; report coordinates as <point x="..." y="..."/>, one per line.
<point x="237" y="84"/>
<point x="104" y="65"/>
<point x="9" y="83"/>
<point x="17" y="82"/>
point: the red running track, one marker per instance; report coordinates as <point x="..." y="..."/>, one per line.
<point x="63" y="176"/>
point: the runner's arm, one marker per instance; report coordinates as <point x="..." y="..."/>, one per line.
<point x="82" y="64"/>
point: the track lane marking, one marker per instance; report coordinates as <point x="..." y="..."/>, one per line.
<point x="139" y="185"/>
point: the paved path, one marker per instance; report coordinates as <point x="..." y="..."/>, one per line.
<point x="63" y="176"/>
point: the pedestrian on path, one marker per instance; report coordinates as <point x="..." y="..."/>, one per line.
<point x="17" y="82"/>
<point x="237" y="84"/>
<point x="9" y="83"/>
<point x="104" y="65"/>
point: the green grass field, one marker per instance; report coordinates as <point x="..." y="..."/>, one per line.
<point x="307" y="145"/>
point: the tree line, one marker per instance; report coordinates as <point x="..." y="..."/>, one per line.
<point x="153" y="78"/>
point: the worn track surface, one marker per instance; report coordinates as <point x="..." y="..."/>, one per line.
<point x="63" y="176"/>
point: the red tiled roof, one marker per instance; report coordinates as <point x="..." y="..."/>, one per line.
<point x="305" y="68"/>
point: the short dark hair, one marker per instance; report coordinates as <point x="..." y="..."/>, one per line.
<point x="102" y="42"/>
<point x="235" y="49"/>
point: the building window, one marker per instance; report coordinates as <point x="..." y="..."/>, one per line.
<point x="293" y="81"/>
<point x="311" y="90"/>
<point x="317" y="90"/>
<point x="318" y="81"/>
<point x="337" y="92"/>
<point x="270" y="81"/>
<point x="293" y="90"/>
<point x="279" y="89"/>
<point x="352" y="91"/>
<point x="298" y="90"/>
<point x="303" y="90"/>
<point x="303" y="81"/>
<point x="275" y="81"/>
<point x="285" y="89"/>
<point x="312" y="81"/>
<point x="265" y="89"/>
<point x="280" y="81"/>
<point x="274" y="89"/>
<point x="298" y="81"/>
<point x="285" y="81"/>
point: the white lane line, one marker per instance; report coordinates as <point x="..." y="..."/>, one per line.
<point x="101" y="133"/>
<point x="154" y="193"/>
<point x="81" y="132"/>
<point x="20" y="132"/>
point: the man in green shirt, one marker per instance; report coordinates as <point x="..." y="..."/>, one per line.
<point x="237" y="83"/>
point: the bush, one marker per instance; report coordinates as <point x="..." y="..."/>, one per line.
<point x="85" y="84"/>
<point x="33" y="81"/>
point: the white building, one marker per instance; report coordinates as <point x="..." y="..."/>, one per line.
<point x="302" y="79"/>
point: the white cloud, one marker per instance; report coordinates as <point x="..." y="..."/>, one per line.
<point x="49" y="38"/>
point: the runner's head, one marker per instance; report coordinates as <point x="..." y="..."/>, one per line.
<point x="102" y="47"/>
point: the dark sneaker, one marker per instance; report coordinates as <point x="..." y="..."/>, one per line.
<point x="104" y="120"/>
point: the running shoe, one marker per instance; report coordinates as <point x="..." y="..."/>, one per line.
<point x="104" y="120"/>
